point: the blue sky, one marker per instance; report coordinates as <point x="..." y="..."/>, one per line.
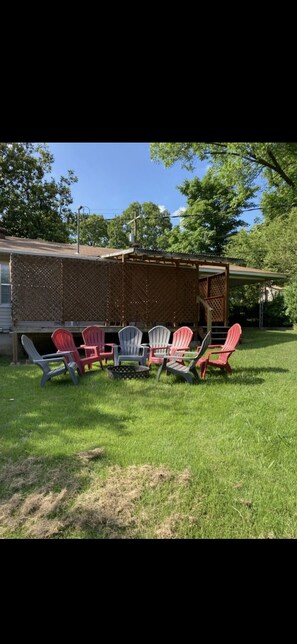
<point x="112" y="175"/>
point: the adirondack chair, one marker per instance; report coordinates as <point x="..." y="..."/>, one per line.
<point x="94" y="336"/>
<point x="223" y="352"/>
<point x="181" y="339"/>
<point x="44" y="362"/>
<point x="130" y="346"/>
<point x="159" y="341"/>
<point x="188" y="373"/>
<point x="63" y="341"/>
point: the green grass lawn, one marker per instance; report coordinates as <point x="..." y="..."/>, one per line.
<point x="217" y="459"/>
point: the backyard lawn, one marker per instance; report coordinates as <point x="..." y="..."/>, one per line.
<point x="217" y="459"/>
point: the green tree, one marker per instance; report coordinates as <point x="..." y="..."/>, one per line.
<point x="31" y="204"/>
<point x="212" y="216"/>
<point x="271" y="167"/>
<point x="151" y="224"/>
<point x="93" y="230"/>
<point x="290" y="295"/>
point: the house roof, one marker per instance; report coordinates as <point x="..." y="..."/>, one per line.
<point x="208" y="264"/>
<point x="40" y="247"/>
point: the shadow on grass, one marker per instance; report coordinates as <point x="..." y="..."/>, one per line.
<point x="266" y="337"/>
<point x="60" y="498"/>
<point x="260" y="370"/>
<point x="49" y="498"/>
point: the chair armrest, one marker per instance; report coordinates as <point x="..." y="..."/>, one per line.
<point x="42" y="361"/>
<point x="57" y="354"/>
<point x="219" y="352"/>
<point x="88" y="346"/>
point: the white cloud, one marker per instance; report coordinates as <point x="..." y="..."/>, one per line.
<point x="179" y="212"/>
<point x="162" y="208"/>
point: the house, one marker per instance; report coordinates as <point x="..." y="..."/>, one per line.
<point x="45" y="285"/>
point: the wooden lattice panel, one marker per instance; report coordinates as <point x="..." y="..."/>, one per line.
<point x="115" y="312"/>
<point x="85" y="288"/>
<point x="136" y="297"/>
<point x="217" y="304"/>
<point x="161" y="294"/>
<point x="203" y="288"/>
<point x="37" y="292"/>
<point x="216" y="285"/>
<point x="186" y="291"/>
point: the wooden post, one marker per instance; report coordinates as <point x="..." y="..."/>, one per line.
<point x="226" y="307"/>
<point x="15" y="348"/>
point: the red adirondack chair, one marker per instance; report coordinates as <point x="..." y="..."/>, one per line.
<point x="181" y="339"/>
<point x="224" y="352"/>
<point x="94" y="336"/>
<point x="63" y="341"/>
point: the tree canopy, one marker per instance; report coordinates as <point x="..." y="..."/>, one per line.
<point x="32" y="204"/>
<point x="151" y="224"/>
<point x="271" y="167"/>
<point x="211" y="218"/>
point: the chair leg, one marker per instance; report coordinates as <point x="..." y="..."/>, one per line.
<point x="195" y="374"/>
<point x="161" y="368"/>
<point x="43" y="380"/>
<point x="228" y="368"/>
<point x="188" y="378"/>
<point x="203" y="368"/>
<point x="73" y="375"/>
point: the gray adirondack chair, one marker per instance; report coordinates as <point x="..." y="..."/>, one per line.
<point x="44" y="362"/>
<point x="130" y="346"/>
<point x="159" y="338"/>
<point x="187" y="372"/>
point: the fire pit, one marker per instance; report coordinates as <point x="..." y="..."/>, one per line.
<point x="126" y="372"/>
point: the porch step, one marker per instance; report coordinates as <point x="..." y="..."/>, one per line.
<point x="218" y="334"/>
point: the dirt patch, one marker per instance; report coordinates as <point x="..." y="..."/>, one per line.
<point x="32" y="514"/>
<point x="20" y="474"/>
<point x="128" y="503"/>
<point x="112" y="507"/>
<point x="91" y="454"/>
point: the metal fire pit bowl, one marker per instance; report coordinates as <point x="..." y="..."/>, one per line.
<point x="127" y="372"/>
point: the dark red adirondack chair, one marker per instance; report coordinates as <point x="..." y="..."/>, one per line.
<point x="63" y="341"/>
<point x="223" y="352"/>
<point x="94" y="336"/>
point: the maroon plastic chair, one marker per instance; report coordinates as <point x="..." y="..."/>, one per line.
<point x="223" y="352"/>
<point x="64" y="341"/>
<point x="94" y="336"/>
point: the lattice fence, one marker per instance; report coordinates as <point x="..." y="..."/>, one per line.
<point x="58" y="290"/>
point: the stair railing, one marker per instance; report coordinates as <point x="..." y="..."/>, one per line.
<point x="208" y="310"/>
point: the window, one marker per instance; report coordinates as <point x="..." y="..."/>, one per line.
<point x="4" y="284"/>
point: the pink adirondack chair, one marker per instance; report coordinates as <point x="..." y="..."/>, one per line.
<point x="94" y="337"/>
<point x="181" y="339"/>
<point x="223" y="352"/>
<point x="63" y="341"/>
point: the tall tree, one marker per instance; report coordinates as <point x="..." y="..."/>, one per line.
<point x="271" y="167"/>
<point x="31" y="204"/>
<point x="146" y="220"/>
<point x="212" y="216"/>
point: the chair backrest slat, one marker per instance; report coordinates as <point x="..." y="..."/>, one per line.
<point x="159" y="336"/>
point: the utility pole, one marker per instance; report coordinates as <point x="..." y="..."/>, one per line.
<point x="78" y="225"/>
<point x="78" y="228"/>
<point x="134" y="221"/>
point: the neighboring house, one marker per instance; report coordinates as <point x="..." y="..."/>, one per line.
<point x="268" y="293"/>
<point x="45" y="285"/>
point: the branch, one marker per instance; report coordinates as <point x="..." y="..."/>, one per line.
<point x="258" y="160"/>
